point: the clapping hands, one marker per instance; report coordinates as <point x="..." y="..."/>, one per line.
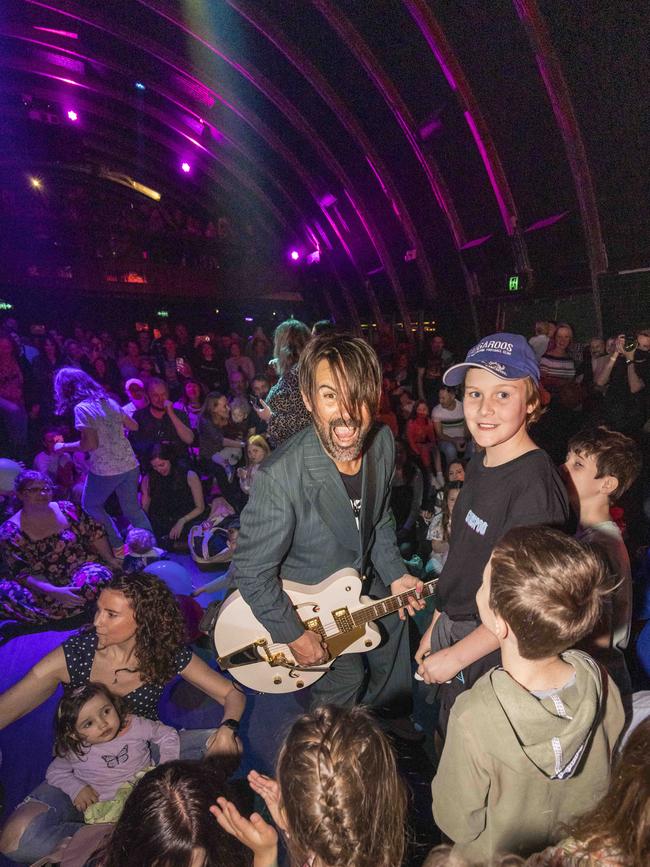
<point x="260" y="837"/>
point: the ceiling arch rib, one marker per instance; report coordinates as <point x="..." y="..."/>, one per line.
<point x="557" y="89"/>
<point x="365" y="57"/>
<point x="230" y="102"/>
<point x="92" y="108"/>
<point x="300" y="123"/>
<point x="453" y="71"/>
<point x="306" y="68"/>
<point x="173" y="100"/>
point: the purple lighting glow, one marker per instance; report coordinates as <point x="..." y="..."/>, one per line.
<point x="186" y="167"/>
<point x="295" y="255"/>
<point x="68" y="33"/>
<point x="72" y="115"/>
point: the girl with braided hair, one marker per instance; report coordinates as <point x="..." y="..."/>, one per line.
<point x="338" y="796"/>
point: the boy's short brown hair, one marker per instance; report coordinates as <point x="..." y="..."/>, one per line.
<point x="548" y="588"/>
<point x="616" y="455"/>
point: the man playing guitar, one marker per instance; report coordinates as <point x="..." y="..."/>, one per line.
<point x="321" y="503"/>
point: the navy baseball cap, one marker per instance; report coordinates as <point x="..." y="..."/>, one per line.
<point x="508" y="356"/>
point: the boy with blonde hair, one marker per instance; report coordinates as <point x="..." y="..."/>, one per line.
<point x="529" y="746"/>
<point x="509" y="483"/>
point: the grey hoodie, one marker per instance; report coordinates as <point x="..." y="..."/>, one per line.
<point x="515" y="767"/>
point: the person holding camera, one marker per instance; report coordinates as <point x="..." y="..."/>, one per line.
<point x="624" y="374"/>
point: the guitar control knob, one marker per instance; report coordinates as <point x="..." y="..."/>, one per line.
<point x="300" y="684"/>
<point x="277" y="680"/>
<point x="368" y="643"/>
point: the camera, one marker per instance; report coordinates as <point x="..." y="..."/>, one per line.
<point x="630" y="343"/>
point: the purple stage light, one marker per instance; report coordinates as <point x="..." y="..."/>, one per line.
<point x="248" y="318"/>
<point x="72" y="115"/>
<point x="186" y="167"/>
<point x="295" y="255"/>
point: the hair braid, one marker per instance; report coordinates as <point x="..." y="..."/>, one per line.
<point x="343" y="798"/>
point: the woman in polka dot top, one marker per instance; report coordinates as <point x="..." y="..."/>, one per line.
<point x="134" y="648"/>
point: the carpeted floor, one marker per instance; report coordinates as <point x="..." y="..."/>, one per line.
<point x="26" y="745"/>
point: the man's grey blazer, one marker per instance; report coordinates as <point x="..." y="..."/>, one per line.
<point x="299" y="525"/>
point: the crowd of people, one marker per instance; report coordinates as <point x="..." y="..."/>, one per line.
<point x="67" y="226"/>
<point x="516" y="478"/>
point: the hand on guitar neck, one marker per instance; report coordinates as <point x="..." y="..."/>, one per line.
<point x="309" y="649"/>
<point x="402" y="585"/>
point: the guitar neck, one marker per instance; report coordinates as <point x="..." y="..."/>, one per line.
<point x="389" y="605"/>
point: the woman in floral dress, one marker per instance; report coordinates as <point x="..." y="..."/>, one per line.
<point x="56" y="557"/>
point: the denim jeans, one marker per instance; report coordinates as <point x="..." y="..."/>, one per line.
<point x="62" y="819"/>
<point x="450" y="453"/>
<point x="99" y="488"/>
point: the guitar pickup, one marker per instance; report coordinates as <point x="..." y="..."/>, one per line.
<point x="314" y="625"/>
<point x="343" y="620"/>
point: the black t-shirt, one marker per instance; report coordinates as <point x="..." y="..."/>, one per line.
<point x="522" y="492"/>
<point x="353" y="487"/>
<point x="642" y="365"/>
<point x="153" y="430"/>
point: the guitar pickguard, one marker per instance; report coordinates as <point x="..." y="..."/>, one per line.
<point x="338" y="644"/>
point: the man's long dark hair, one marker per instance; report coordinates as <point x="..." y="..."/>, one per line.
<point x="355" y="370"/>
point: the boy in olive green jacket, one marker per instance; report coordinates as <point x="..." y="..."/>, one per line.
<point x="529" y="746"/>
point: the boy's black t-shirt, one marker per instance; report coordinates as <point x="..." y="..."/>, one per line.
<point x="525" y="491"/>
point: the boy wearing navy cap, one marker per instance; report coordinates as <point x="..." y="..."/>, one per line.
<point x="509" y="483"/>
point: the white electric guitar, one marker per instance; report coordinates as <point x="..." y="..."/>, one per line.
<point x="334" y="609"/>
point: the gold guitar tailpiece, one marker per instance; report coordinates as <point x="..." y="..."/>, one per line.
<point x="273" y="659"/>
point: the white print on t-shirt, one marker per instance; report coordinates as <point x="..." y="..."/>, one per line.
<point x="492" y="346"/>
<point x="477" y="524"/>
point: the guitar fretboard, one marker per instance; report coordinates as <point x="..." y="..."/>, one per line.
<point x="389" y="605"/>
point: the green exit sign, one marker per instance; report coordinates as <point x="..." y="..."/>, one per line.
<point x="513" y="284"/>
<point x="5" y="305"/>
<point x="163" y="314"/>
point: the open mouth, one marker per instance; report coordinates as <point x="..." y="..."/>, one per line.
<point x="345" y="434"/>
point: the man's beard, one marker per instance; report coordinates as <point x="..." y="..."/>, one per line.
<point x="325" y="431"/>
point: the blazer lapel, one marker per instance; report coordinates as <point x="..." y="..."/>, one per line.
<point x="368" y="491"/>
<point x="326" y="490"/>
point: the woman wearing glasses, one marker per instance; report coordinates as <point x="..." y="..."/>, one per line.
<point x="57" y="556"/>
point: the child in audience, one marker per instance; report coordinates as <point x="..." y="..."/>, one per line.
<point x="616" y="833"/>
<point x="421" y="437"/>
<point x="509" y="483"/>
<point x="167" y="821"/>
<point x="101" y="750"/>
<point x="456" y="471"/>
<point x="529" y="746"/>
<point x="338" y="796"/>
<point x="140" y="550"/>
<point x="257" y="449"/>
<point x="57" y="465"/>
<point x="439" y="531"/>
<point x="601" y="466"/>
